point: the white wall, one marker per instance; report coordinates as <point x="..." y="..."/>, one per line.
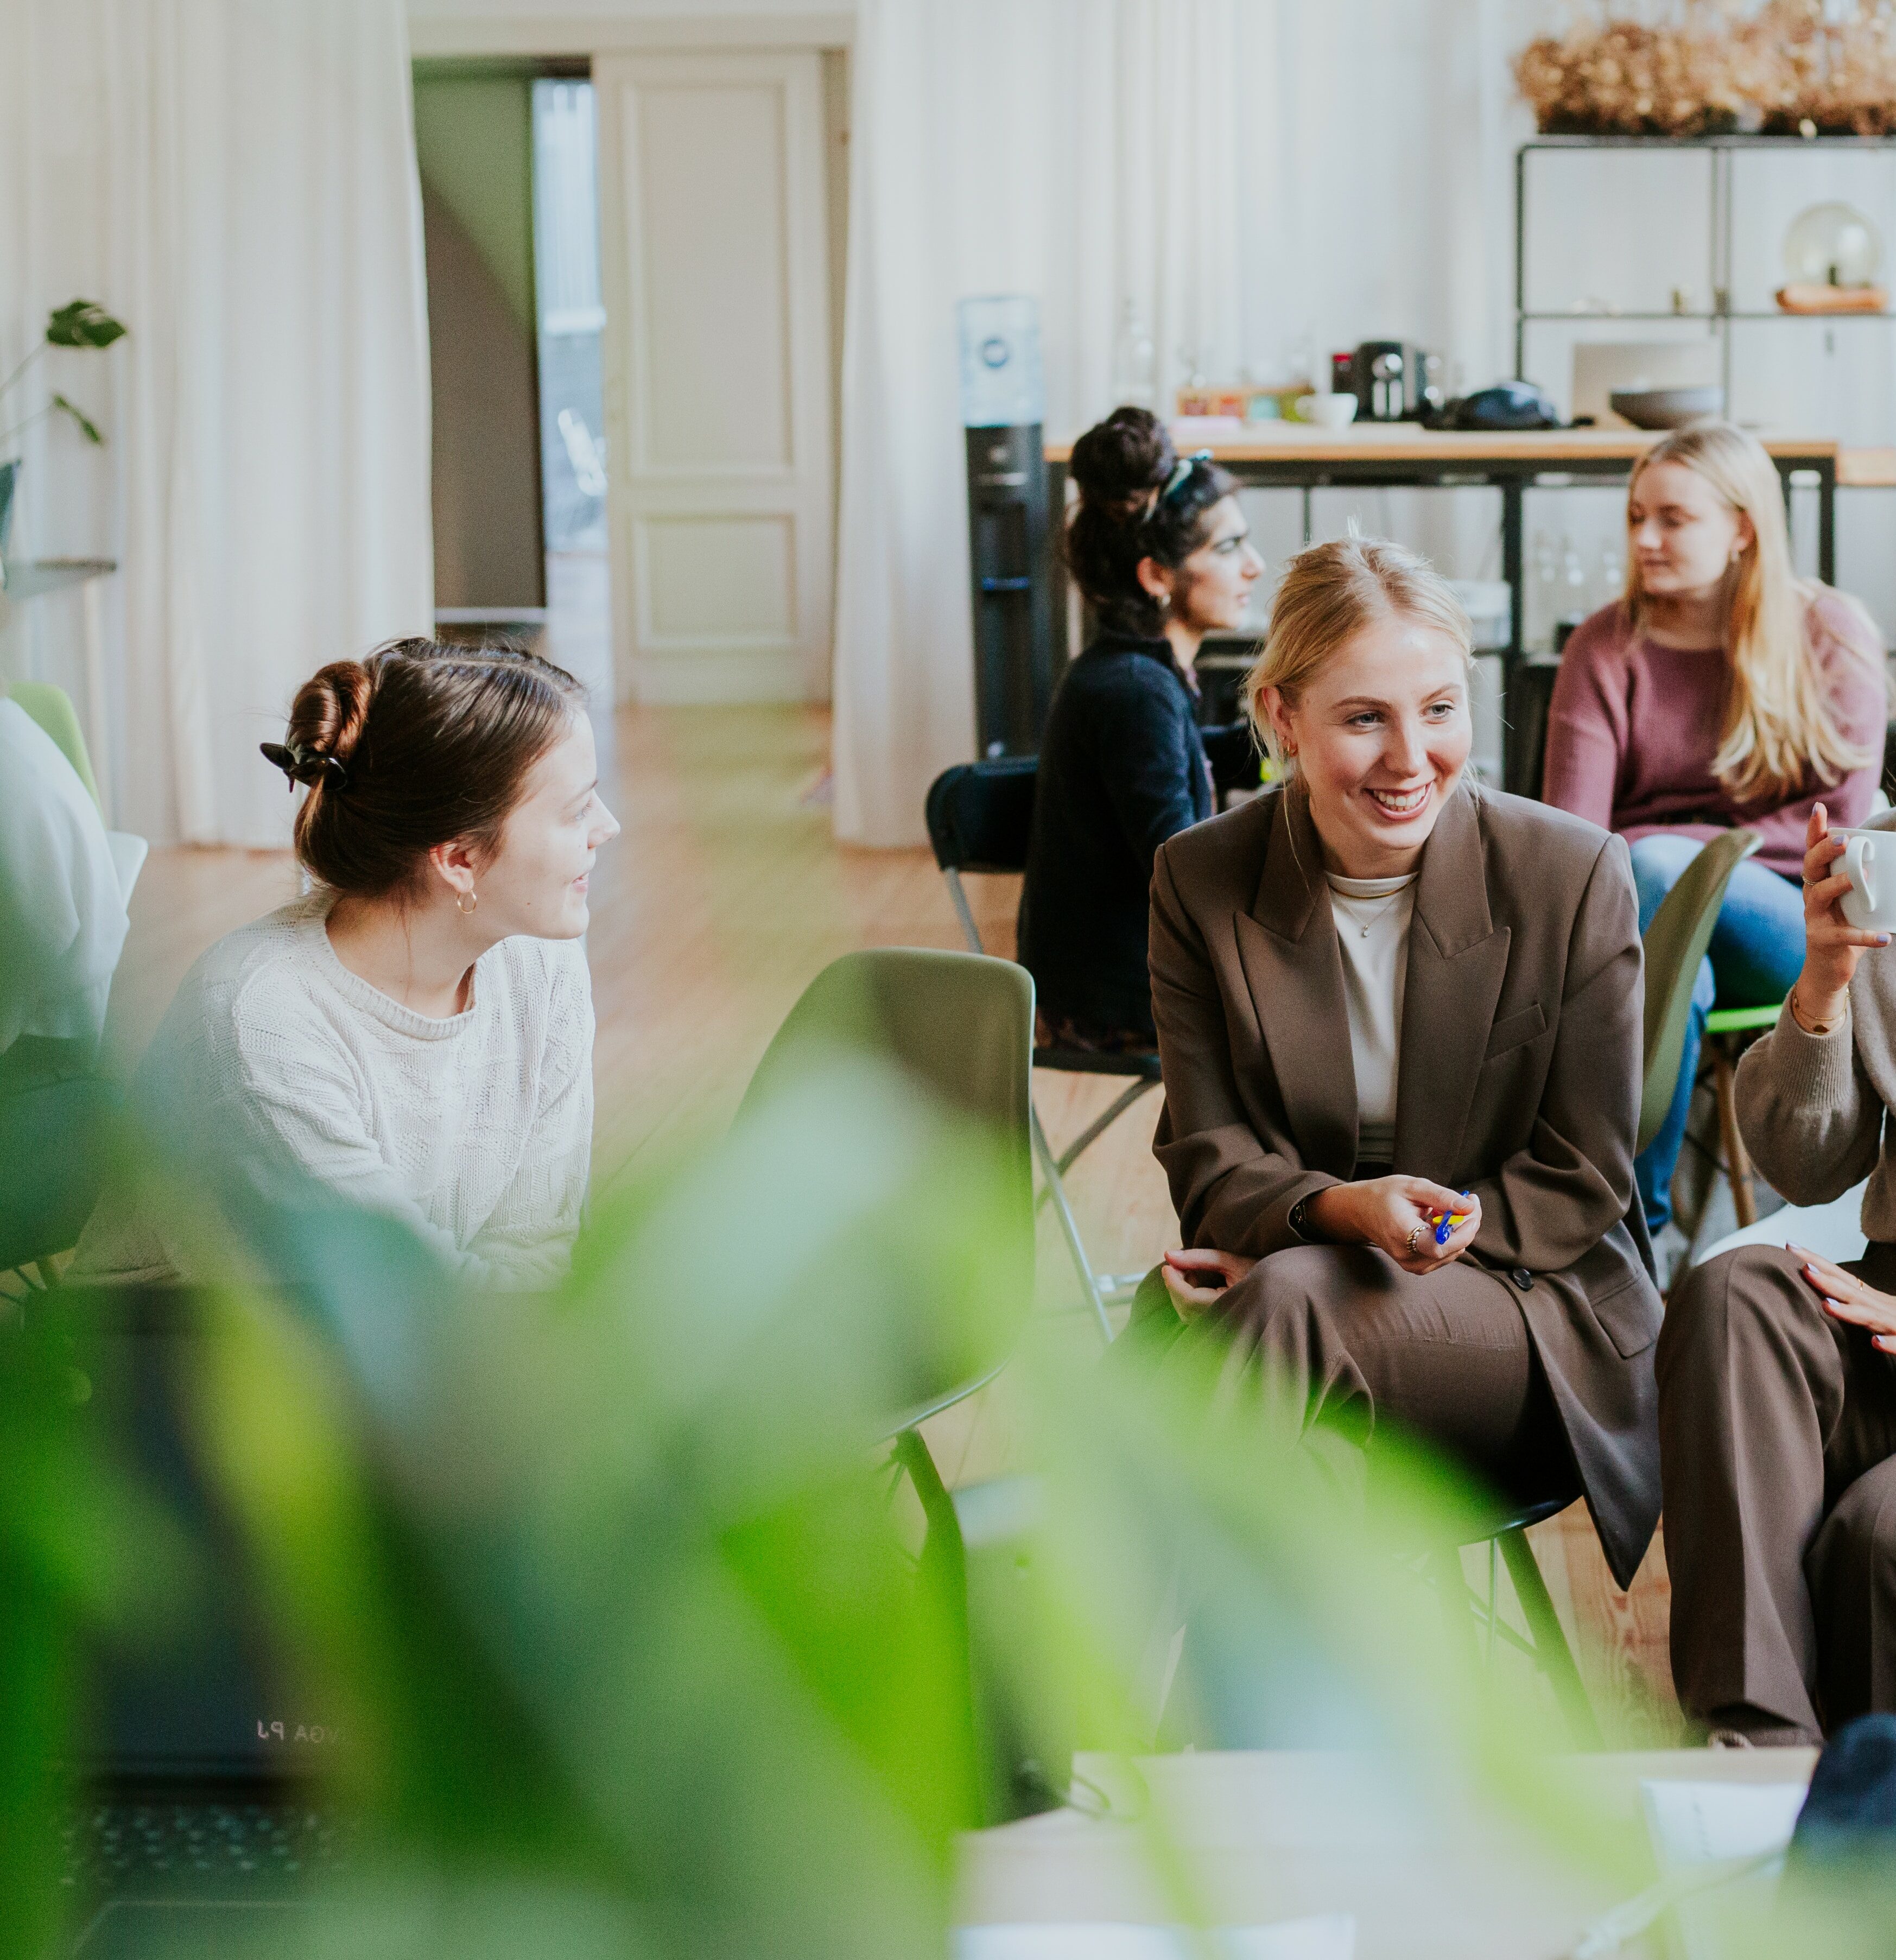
<point x="587" y="26"/>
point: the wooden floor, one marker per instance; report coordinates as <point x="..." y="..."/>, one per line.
<point x="723" y="897"/>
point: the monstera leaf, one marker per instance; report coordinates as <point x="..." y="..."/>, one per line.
<point x="83" y="323"/>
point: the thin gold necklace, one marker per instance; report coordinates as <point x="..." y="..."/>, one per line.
<point x="1388" y="906"/>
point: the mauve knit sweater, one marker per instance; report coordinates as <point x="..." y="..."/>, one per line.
<point x="1633" y="726"/>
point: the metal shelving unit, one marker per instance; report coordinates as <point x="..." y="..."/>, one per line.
<point x="1721" y="154"/>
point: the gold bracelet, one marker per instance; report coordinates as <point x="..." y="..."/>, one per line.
<point x="1815" y="1026"/>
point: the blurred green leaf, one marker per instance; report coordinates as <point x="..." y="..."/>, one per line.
<point x="82" y="323"/>
<point x="88" y="428"/>
<point x="613" y="1592"/>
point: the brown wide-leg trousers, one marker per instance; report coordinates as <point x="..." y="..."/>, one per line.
<point x="1777" y="1443"/>
<point x="1336" y="1339"/>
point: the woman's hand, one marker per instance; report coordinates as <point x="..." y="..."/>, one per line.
<point x="1196" y="1277"/>
<point x="1832" y="946"/>
<point x="1399" y="1216"/>
<point x="1846" y="1297"/>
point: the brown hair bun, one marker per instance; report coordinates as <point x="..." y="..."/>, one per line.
<point x="1118" y="464"/>
<point x="330" y="709"/>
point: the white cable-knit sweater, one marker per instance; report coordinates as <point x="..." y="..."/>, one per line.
<point x="275" y="1062"/>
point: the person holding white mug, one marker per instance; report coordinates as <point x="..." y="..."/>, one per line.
<point x="1776" y="1378"/>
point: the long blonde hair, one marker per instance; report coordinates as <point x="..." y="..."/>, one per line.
<point x="1330" y="592"/>
<point x="1779" y="724"/>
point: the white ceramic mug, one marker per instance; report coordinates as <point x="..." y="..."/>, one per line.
<point x="1330" y="411"/>
<point x="1869" y="862"/>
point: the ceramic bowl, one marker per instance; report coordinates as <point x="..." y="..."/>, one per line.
<point x="1330" y="411"/>
<point x="1668" y="408"/>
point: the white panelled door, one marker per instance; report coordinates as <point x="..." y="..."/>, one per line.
<point x="715" y="250"/>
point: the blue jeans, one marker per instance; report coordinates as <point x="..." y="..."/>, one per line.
<point x="1758" y="947"/>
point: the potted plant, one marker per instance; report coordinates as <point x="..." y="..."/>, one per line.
<point x="79" y="323"/>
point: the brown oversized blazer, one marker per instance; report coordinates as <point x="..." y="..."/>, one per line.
<point x="1519" y="1080"/>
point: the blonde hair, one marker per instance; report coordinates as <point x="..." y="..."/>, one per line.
<point x="1778" y="726"/>
<point x="1330" y="592"/>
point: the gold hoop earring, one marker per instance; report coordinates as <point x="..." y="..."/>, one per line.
<point x="473" y="898"/>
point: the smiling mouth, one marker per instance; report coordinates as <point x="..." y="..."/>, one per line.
<point x="1401" y="802"/>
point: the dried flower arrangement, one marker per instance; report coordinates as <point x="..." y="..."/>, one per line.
<point x="1783" y="70"/>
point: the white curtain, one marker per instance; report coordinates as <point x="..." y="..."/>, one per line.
<point x="235" y="179"/>
<point x="1256" y="176"/>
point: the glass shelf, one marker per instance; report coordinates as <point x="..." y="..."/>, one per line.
<point x="1774" y="312"/>
<point x="30" y="577"/>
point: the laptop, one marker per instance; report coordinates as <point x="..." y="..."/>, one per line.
<point x="192" y="1817"/>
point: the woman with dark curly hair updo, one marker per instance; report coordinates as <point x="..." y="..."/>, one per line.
<point x="415" y="1034"/>
<point x="1159" y="545"/>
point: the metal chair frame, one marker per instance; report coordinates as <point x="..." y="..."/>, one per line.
<point x="1546" y="1644"/>
<point x="1727" y="1031"/>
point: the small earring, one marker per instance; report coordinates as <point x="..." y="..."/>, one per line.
<point x="1165" y="602"/>
<point x="473" y="898"/>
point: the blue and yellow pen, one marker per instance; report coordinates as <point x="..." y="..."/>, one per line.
<point x="1445" y="1222"/>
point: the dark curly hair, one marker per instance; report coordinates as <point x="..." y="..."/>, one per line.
<point x="1130" y="508"/>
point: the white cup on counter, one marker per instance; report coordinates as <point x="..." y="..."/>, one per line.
<point x="1330" y="411"/>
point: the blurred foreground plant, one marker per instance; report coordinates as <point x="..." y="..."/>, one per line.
<point x="617" y="1606"/>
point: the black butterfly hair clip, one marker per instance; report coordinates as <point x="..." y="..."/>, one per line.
<point x="302" y="764"/>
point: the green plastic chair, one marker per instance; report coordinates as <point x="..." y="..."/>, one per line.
<point x="53" y="708"/>
<point x="961" y="1024"/>
<point x="1675" y="943"/>
<point x="56" y="1131"/>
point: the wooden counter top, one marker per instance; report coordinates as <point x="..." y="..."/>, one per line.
<point x="1408" y="442"/>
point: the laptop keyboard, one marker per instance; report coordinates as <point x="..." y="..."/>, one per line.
<point x="119" y="1846"/>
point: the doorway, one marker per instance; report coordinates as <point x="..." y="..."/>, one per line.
<point x="510" y="209"/>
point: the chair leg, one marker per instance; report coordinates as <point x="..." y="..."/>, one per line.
<point x="1550" y="1650"/>
<point x="1103" y="1123"/>
<point x="1738" y="1163"/>
<point x="1057" y="1191"/>
<point x="959" y="892"/>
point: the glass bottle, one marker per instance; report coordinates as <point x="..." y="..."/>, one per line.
<point x="1135" y="362"/>
<point x="1612" y="587"/>
<point x="1545" y="601"/>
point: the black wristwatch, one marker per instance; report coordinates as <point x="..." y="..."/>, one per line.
<point x="1299" y="1220"/>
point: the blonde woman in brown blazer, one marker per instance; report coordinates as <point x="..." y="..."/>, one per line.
<point x="1322" y="1110"/>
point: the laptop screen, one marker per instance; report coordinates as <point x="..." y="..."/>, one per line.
<point x="199" y="1692"/>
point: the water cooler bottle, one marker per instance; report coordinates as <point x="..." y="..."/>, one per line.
<point x="1002" y="401"/>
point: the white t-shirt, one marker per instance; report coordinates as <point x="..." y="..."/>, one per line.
<point x="276" y="1063"/>
<point x="1372" y="916"/>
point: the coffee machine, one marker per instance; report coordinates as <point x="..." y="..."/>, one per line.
<point x="1392" y="381"/>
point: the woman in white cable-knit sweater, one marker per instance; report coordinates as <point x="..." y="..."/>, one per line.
<point x="416" y="1035"/>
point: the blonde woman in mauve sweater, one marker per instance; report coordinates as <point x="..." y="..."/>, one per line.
<point x="416" y="1035"/>
<point x="1721" y="691"/>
